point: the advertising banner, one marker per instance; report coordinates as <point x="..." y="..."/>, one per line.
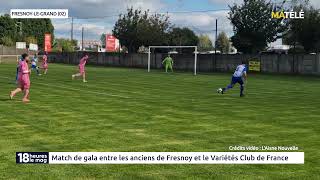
<point x="47" y="42"/>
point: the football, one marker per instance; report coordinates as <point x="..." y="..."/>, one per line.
<point x="219" y="90"/>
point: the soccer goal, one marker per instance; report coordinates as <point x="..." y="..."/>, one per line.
<point x="174" y="47"/>
<point x="9" y="58"/>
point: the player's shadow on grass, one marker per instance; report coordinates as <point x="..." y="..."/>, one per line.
<point x="6" y="99"/>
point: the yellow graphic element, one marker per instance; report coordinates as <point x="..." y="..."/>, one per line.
<point x="254" y="66"/>
<point x="275" y="15"/>
<point x="287" y="15"/>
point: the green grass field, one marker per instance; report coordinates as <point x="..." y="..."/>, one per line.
<point x="130" y="110"/>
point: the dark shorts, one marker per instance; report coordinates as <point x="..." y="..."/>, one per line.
<point x="236" y="80"/>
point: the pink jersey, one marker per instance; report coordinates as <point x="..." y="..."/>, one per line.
<point x="82" y="64"/>
<point x="24" y="79"/>
<point x="83" y="61"/>
<point x="45" y="62"/>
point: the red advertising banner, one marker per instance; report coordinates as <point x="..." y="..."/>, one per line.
<point x="47" y="42"/>
<point x="111" y="43"/>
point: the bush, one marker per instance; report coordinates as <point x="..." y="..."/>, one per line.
<point x="7" y="41"/>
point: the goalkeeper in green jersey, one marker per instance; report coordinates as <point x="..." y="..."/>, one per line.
<point x="168" y="63"/>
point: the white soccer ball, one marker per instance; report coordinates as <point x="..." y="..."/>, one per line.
<point x="219" y="90"/>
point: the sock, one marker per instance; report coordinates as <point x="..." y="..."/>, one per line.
<point x="228" y="87"/>
<point x="241" y="89"/>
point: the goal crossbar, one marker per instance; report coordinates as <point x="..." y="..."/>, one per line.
<point x="170" y="47"/>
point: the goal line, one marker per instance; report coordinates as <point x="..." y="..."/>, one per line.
<point x="171" y="47"/>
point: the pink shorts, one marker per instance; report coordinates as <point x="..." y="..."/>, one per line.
<point x="45" y="66"/>
<point x="81" y="69"/>
<point x="24" y="83"/>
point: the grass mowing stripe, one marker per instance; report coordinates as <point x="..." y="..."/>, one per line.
<point x="176" y="112"/>
<point x="75" y="89"/>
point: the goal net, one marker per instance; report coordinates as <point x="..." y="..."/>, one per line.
<point x="171" y="50"/>
<point x="9" y="58"/>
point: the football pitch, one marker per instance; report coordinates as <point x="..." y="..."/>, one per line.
<point x="130" y="110"/>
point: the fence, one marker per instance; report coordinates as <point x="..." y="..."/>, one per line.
<point x="5" y="50"/>
<point x="269" y="63"/>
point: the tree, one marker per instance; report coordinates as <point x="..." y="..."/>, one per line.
<point x="205" y="43"/>
<point x="153" y="29"/>
<point x="36" y="28"/>
<point x="304" y="32"/>
<point x="7" y="41"/>
<point x="25" y="29"/>
<point x="31" y="39"/>
<point x="253" y="26"/>
<point x="8" y="30"/>
<point x="223" y="43"/>
<point x="137" y="28"/>
<point x="183" y="37"/>
<point x="64" y="45"/>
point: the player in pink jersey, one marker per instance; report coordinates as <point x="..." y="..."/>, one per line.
<point x="82" y="71"/>
<point x="23" y="79"/>
<point x="45" y="62"/>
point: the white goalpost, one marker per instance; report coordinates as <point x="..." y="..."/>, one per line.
<point x="4" y="58"/>
<point x="171" y="47"/>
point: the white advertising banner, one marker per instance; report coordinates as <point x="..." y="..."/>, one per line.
<point x="21" y="45"/>
<point x="33" y="47"/>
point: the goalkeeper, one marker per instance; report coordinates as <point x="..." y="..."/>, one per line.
<point x="168" y="63"/>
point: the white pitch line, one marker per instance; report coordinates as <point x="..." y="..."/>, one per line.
<point x="75" y="89"/>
